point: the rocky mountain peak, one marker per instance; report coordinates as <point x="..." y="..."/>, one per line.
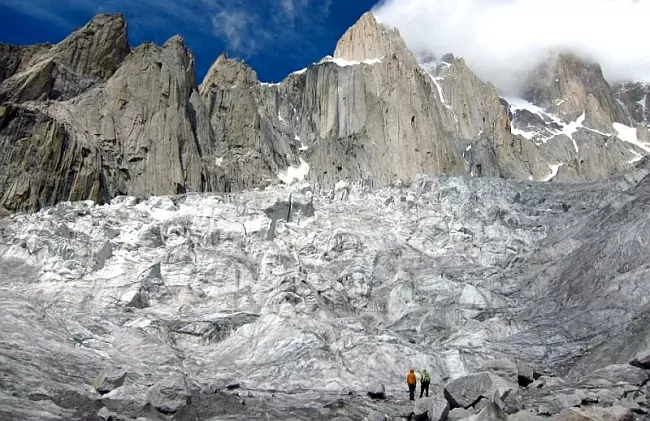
<point x="96" y="49"/>
<point x="370" y="39"/>
<point x="228" y="72"/>
<point x="570" y="85"/>
<point x="89" y="55"/>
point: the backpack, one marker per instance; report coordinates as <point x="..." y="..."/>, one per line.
<point x="426" y="378"/>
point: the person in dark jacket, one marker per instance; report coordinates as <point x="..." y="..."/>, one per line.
<point x="425" y="381"/>
<point x="411" y="380"/>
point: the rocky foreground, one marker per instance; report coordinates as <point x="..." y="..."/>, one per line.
<point x="522" y="299"/>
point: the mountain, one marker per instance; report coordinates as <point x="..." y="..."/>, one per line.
<point x="93" y="118"/>
<point x="229" y="249"/>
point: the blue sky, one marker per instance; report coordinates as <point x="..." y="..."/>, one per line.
<point x="275" y="36"/>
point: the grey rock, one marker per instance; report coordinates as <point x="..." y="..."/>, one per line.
<point x="526" y="416"/>
<point x="109" y="380"/>
<point x="492" y="412"/>
<point x="642" y="359"/>
<point x="15" y="59"/>
<point x="168" y="396"/>
<point x="616" y="374"/>
<point x="89" y="55"/>
<point x="545" y="381"/>
<point x="636" y="99"/>
<point x="135" y="122"/>
<point x="96" y="49"/>
<point x="466" y="391"/>
<point x="504" y="368"/>
<point x="30" y="137"/>
<point x="525" y="374"/>
<point x="103" y="153"/>
<point x="614" y="413"/>
<point x="104" y="253"/>
<point x="643" y="134"/>
<point x="376" y="416"/>
<point x="459" y="414"/>
<point x="377" y="391"/>
<point x="435" y="408"/>
<point x="369" y="39"/>
<point x="107" y="415"/>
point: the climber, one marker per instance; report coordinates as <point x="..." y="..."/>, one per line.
<point x="411" y="380"/>
<point x="425" y="380"/>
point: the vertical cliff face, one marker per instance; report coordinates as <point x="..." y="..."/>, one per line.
<point x="42" y="164"/>
<point x="143" y="121"/>
<point x="373" y="113"/>
<point x="250" y="149"/>
<point x="369" y="112"/>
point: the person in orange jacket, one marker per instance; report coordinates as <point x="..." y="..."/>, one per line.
<point x="411" y="380"/>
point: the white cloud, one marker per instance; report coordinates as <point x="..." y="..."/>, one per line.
<point x="235" y="27"/>
<point x="501" y="40"/>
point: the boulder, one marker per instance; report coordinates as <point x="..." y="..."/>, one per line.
<point x="376" y="416"/>
<point x="377" y="391"/>
<point x="466" y="391"/>
<point x="109" y="381"/>
<point x="434" y="408"/>
<point x="459" y="414"/>
<point x="642" y="359"/>
<point x="559" y="401"/>
<point x="614" y="413"/>
<point x="526" y="416"/>
<point x="525" y="374"/>
<point x="616" y="374"/>
<point x="492" y="412"/>
<point x="503" y="368"/>
<point x="107" y="415"/>
<point x="544" y="381"/>
<point x="169" y="395"/>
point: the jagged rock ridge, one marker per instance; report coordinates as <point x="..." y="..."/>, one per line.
<point x="134" y="121"/>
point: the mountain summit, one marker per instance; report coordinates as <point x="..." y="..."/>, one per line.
<point x="368" y="39"/>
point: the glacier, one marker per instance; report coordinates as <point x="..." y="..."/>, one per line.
<point x="317" y="293"/>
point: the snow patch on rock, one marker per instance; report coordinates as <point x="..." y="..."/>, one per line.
<point x="554" y="170"/>
<point x="292" y="174"/>
<point x="628" y="134"/>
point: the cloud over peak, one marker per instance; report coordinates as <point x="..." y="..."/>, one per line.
<point x="503" y="40"/>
